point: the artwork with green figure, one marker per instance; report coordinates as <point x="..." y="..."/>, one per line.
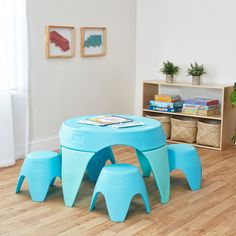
<point x="93" y="41"/>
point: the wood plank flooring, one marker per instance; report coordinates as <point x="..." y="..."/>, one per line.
<point x="210" y="211"/>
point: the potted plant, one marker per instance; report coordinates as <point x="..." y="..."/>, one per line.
<point x="170" y="70"/>
<point x="196" y="71"/>
<point x="233" y="102"/>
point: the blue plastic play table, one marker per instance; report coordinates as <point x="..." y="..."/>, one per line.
<point x="81" y="142"/>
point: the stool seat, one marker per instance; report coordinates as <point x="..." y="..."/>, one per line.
<point x="182" y="148"/>
<point x="42" y="154"/>
<point x="41" y="169"/>
<point x="120" y="169"/>
<point x="184" y="157"/>
<point x="119" y="183"/>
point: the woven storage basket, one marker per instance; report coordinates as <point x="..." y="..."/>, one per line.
<point x="184" y="129"/>
<point x="165" y="121"/>
<point x="208" y="133"/>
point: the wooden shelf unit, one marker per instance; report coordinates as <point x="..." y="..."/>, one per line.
<point x="227" y="118"/>
<point x="218" y="117"/>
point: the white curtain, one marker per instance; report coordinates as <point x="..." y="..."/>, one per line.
<point x="13" y="80"/>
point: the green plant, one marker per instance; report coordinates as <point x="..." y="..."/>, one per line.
<point x="233" y="102"/>
<point x="196" y="70"/>
<point x="233" y="96"/>
<point x="169" y="68"/>
<point x="234" y="137"/>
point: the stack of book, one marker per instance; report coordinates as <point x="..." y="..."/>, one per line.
<point x="166" y="103"/>
<point x="201" y="106"/>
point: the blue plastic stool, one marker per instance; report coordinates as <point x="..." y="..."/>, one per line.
<point x="41" y="169"/>
<point x="119" y="183"/>
<point x="185" y="158"/>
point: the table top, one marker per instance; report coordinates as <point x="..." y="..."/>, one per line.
<point x="93" y="138"/>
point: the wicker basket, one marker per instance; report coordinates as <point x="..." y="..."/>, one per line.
<point x="165" y="121"/>
<point x="208" y="133"/>
<point x="184" y="129"/>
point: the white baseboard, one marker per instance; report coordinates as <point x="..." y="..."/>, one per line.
<point x="49" y="143"/>
<point x="20" y="152"/>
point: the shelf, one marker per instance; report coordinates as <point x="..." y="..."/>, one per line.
<point x="207" y="86"/>
<point x="184" y="114"/>
<point x="196" y="145"/>
<point x="227" y="117"/>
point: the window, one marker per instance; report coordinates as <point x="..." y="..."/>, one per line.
<point x="14" y="31"/>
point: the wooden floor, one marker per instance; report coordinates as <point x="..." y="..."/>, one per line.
<point x="210" y="211"/>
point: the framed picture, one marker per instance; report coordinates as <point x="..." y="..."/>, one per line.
<point x="93" y="41"/>
<point x="60" y="41"/>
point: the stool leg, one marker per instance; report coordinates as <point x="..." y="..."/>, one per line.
<point x="141" y="189"/>
<point x="38" y="188"/>
<point x="117" y="207"/>
<point x="74" y="164"/>
<point x="111" y="155"/>
<point x="145" y="166"/>
<point x="158" y="160"/>
<point x="19" y="183"/>
<point x="194" y="177"/>
<point x="146" y="202"/>
<point x="93" y="201"/>
<point x="98" y="161"/>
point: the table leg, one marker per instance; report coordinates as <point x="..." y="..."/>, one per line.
<point x="110" y="154"/>
<point x="98" y="161"/>
<point x="158" y="160"/>
<point x="74" y="164"/>
<point x="144" y="164"/>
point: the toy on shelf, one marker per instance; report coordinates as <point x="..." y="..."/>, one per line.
<point x="167" y="98"/>
<point x="201" y="106"/>
<point x="166" y="103"/>
<point x="202" y="101"/>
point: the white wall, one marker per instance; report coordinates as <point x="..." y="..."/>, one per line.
<point x="185" y="31"/>
<point x="182" y="31"/>
<point x="63" y="88"/>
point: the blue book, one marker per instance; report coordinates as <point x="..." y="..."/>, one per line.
<point x="167" y="104"/>
<point x="155" y="108"/>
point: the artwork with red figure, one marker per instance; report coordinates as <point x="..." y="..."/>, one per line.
<point x="59" y="41"/>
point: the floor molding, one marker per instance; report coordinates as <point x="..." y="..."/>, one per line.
<point x="49" y="143"/>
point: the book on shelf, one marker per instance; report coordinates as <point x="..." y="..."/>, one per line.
<point x="201" y="107"/>
<point x="201" y="101"/>
<point x="194" y="111"/>
<point x="167" y="98"/>
<point x="163" y="109"/>
<point x="178" y="104"/>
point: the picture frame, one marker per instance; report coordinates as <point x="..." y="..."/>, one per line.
<point x="93" y="41"/>
<point x="60" y="41"/>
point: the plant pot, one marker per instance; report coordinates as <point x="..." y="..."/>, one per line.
<point x="196" y="80"/>
<point x="169" y="79"/>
